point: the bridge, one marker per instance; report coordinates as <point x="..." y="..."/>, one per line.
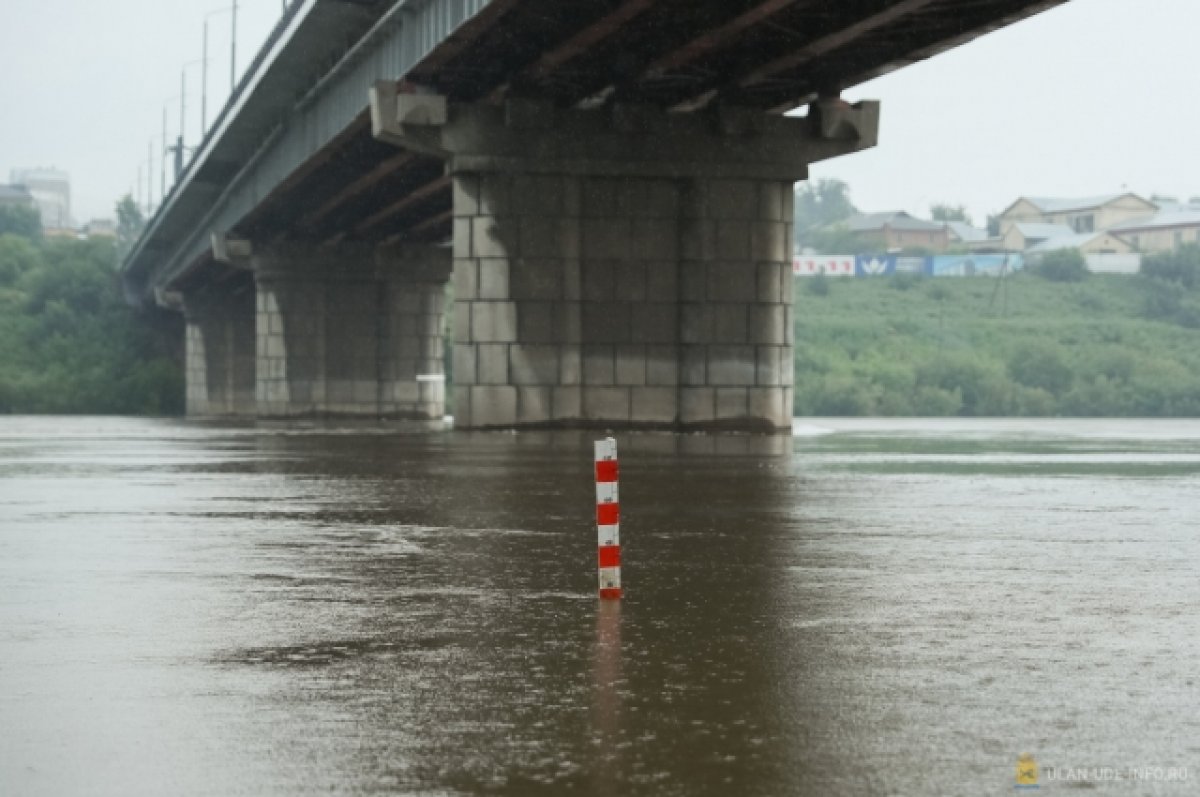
<point x="607" y="185"/>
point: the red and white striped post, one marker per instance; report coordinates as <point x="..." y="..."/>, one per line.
<point x="608" y="518"/>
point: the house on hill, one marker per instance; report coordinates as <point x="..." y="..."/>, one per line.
<point x="1081" y="215"/>
<point x="898" y="230"/>
<point x="1086" y="243"/>
<point x="1022" y="235"/>
<point x="963" y="234"/>
<point x="1168" y="229"/>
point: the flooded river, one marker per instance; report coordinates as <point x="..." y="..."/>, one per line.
<point x="868" y="607"/>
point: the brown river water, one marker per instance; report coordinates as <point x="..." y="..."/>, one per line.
<point x="867" y="607"/>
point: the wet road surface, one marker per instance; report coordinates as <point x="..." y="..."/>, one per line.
<point x="896" y="607"/>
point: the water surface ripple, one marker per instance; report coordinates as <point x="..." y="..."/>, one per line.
<point x="868" y="607"/>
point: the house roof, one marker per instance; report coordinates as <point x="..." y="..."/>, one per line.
<point x="1165" y="205"/>
<point x="896" y="220"/>
<point x="965" y="232"/>
<point x="1180" y="216"/>
<point x="1064" y="205"/>
<point x="1069" y="204"/>
<point x="1072" y="241"/>
<point x="1039" y="231"/>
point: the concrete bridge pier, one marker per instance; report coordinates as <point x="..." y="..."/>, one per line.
<point x="622" y="301"/>
<point x="350" y="331"/>
<point x="219" y="351"/>
<point x="623" y="267"/>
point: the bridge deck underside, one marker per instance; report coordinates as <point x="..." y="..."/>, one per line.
<point x="677" y="54"/>
<point x="770" y="54"/>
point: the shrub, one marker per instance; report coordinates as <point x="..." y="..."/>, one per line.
<point x="903" y="282"/>
<point x="1042" y="365"/>
<point x="934" y="402"/>
<point x="980" y="382"/>
<point x="817" y="285"/>
<point x="1062" y="265"/>
<point x="1034" y="402"/>
<point x="1181" y="266"/>
<point x="841" y="395"/>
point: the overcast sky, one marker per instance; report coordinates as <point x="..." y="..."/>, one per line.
<point x="1094" y="97"/>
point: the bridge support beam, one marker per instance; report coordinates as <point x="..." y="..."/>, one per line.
<point x="219" y="351"/>
<point x="350" y="331"/>
<point x="623" y="267"/>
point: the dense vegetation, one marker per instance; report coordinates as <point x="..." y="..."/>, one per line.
<point x="1051" y="342"/>
<point x="68" y="342"/>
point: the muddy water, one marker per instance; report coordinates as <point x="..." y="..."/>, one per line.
<point x="869" y="607"/>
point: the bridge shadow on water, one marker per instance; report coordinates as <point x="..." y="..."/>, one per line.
<point x="447" y="634"/>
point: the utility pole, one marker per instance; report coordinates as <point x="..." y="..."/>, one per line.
<point x="204" y="85"/>
<point x="205" y="60"/>
<point x="233" y="53"/>
<point x="182" y="102"/>
<point x="164" y="152"/>
<point x="149" y="175"/>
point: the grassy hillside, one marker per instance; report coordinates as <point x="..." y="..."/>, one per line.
<point x="1109" y="345"/>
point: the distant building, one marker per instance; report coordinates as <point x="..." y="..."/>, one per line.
<point x="51" y="191"/>
<point x="61" y="232"/>
<point x="1086" y="243"/>
<point x="898" y="230"/>
<point x="1170" y="228"/>
<point x="1085" y="214"/>
<point x="100" y="228"/>
<point x="15" y="195"/>
<point x="1022" y="235"/>
<point x="973" y="239"/>
<point x="964" y="234"/>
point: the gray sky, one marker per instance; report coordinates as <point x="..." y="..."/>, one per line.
<point x="83" y="84"/>
<point x="1090" y="98"/>
<point x="1093" y="97"/>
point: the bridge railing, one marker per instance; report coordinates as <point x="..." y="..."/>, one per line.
<point x="207" y="135"/>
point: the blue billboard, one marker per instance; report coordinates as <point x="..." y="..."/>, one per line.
<point x="874" y="265"/>
<point x="937" y="265"/>
<point x="975" y="265"/>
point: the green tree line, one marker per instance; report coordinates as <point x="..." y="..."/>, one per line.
<point x="68" y="341"/>
<point x="1052" y="341"/>
<point x="1055" y="341"/>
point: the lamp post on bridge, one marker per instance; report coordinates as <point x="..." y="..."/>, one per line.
<point x="233" y="53"/>
<point x="204" y="62"/>
<point x="230" y="9"/>
<point x="182" y="143"/>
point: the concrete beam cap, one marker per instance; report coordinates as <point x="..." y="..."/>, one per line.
<point x="235" y="252"/>
<point x="168" y="300"/>
<point x="837" y="120"/>
<point x="424" y="110"/>
<point x="412" y="121"/>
